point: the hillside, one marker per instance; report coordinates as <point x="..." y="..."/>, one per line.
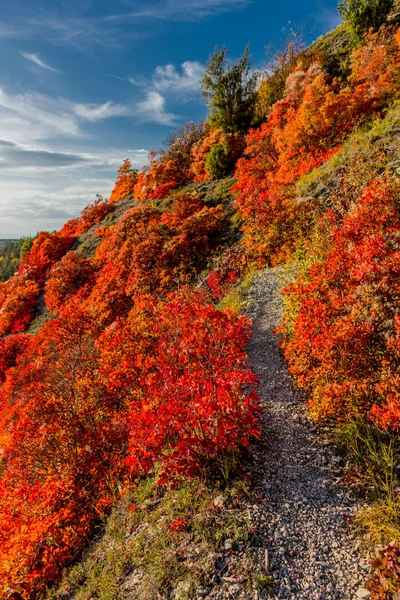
<point x="154" y="443"/>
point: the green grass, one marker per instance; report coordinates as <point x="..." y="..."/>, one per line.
<point x="365" y="154"/>
<point x="236" y="298"/>
<point x="138" y="553"/>
<point x="375" y="460"/>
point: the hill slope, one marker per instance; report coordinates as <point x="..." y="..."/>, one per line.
<point x="126" y="384"/>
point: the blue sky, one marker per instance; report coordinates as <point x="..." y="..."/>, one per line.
<point x="85" y="84"/>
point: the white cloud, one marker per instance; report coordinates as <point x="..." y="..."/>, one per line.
<point x="49" y="168"/>
<point x="153" y="109"/>
<point x="180" y="10"/>
<point x="26" y="116"/>
<point x="98" y="112"/>
<point x="38" y="61"/>
<point x="43" y="198"/>
<point x="168" y="79"/>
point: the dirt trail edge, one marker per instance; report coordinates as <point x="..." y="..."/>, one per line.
<point x="304" y="517"/>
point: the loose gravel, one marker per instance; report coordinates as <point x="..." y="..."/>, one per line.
<point x="304" y="538"/>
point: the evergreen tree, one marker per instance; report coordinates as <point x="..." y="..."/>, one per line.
<point x="230" y="91"/>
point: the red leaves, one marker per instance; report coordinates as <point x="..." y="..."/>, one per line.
<point x="385" y="581"/>
<point x="163" y="190"/>
<point x="170" y="384"/>
<point x="344" y="345"/>
<point x="72" y="275"/>
<point x="302" y="131"/>
<point x="125" y="378"/>
<point x="19" y="296"/>
<point x="189" y="402"/>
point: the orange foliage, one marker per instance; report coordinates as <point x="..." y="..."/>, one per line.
<point x="73" y="274"/>
<point x="302" y="131"/>
<point x="200" y="151"/>
<point x="148" y="251"/>
<point x="344" y="349"/>
<point x="126" y="181"/>
<point x="75" y="411"/>
<point x="19" y="296"/>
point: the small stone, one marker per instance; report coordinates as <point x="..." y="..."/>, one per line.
<point x="266" y="560"/>
<point x="228" y="544"/>
<point x="202" y="592"/>
<point x="219" y="501"/>
<point x="234" y="589"/>
<point x="363" y="593"/>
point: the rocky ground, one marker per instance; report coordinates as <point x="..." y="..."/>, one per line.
<point x="304" y="538"/>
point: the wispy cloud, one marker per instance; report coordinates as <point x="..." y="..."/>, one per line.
<point x="34" y="58"/>
<point x="76" y="31"/>
<point x="48" y="190"/>
<point x="180" y="10"/>
<point x="9" y="31"/>
<point x="168" y="79"/>
<point x="99" y="112"/>
<point x="152" y="109"/>
<point x="65" y="27"/>
<point x="30" y="116"/>
<point x="81" y="32"/>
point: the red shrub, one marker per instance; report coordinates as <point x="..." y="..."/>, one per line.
<point x="302" y="131"/>
<point x="126" y="181"/>
<point x="72" y="275"/>
<point x="192" y="405"/>
<point x="163" y="190"/>
<point x="344" y="348"/>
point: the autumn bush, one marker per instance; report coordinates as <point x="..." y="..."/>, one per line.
<point x="126" y="379"/>
<point x="150" y="251"/>
<point x="303" y="130"/>
<point x="72" y="275"/>
<point x="168" y="385"/>
<point x="195" y="376"/>
<point x="64" y="443"/>
<point x="172" y="166"/>
<point x="19" y="296"/>
<point x="343" y="348"/>
<point x="126" y="181"/>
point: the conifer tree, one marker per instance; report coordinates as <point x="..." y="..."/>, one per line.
<point x="230" y="91"/>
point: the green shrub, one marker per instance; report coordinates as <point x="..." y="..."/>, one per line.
<point x="361" y="15"/>
<point x="218" y="161"/>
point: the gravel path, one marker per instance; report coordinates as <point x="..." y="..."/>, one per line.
<point x="303" y="522"/>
